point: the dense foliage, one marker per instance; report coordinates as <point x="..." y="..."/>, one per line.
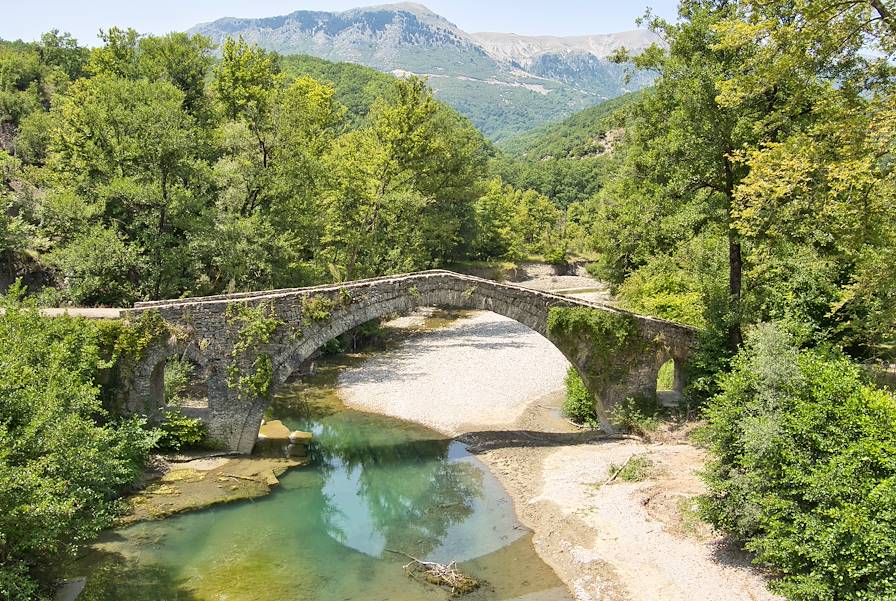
<point x="805" y="469"/>
<point x="578" y="404"/>
<point x="744" y="185"/>
<point x="153" y="169"/>
<point x="63" y="459"/>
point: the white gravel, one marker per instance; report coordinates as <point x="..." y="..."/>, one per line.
<point x="484" y="369"/>
<point x="649" y="560"/>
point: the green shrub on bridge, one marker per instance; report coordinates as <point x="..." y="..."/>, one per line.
<point x="612" y="338"/>
<point x="805" y="470"/>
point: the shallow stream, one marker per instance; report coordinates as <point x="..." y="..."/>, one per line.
<point x="328" y="532"/>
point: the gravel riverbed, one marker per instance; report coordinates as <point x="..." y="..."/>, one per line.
<point x="502" y="384"/>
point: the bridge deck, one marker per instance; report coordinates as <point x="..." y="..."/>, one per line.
<point x="473" y="280"/>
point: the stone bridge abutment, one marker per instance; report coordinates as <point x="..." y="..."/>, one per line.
<point x="246" y="345"/>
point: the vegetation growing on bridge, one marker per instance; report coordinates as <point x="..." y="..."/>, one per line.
<point x="317" y="308"/>
<point x="250" y="369"/>
<point x="610" y="340"/>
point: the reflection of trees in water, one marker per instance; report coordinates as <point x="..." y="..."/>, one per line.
<point x="414" y="494"/>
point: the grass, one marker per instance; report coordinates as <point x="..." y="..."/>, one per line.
<point x="639" y="415"/>
<point x="636" y="469"/>
<point x="692" y="523"/>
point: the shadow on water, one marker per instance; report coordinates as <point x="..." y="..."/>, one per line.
<point x="115" y="577"/>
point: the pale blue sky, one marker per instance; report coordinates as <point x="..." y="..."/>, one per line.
<point x="28" y="19"/>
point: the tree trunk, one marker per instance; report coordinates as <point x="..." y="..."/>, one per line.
<point x="885" y="15"/>
<point x="735" y="267"/>
<point x="735" y="270"/>
<point x="157" y="287"/>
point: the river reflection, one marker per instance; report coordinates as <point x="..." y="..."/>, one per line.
<point x="374" y="484"/>
<point x="389" y="484"/>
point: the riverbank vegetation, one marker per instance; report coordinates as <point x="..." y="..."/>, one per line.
<point x="752" y="184"/>
<point x="64" y="459"/>
<point x="804" y="469"/>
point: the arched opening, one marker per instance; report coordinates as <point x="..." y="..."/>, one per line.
<point x="669" y="383"/>
<point x="533" y="324"/>
<point x="184" y="386"/>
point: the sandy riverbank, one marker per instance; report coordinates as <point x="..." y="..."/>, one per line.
<point x="501" y="384"/>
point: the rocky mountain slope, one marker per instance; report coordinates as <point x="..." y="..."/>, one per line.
<point x="505" y="83"/>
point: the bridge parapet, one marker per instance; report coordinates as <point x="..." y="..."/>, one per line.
<point x="212" y="333"/>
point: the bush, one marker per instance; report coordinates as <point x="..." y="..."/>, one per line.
<point x="579" y="404"/>
<point x="177" y="378"/>
<point x="638" y="415"/>
<point x="805" y="469"/>
<point x="181" y="432"/>
<point x="63" y="460"/>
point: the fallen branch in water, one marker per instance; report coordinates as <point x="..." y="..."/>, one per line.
<point x="446" y="575"/>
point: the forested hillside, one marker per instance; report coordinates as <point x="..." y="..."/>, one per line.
<point x="146" y="168"/>
<point x="355" y="86"/>
<point x="567" y="161"/>
<point x="581" y="135"/>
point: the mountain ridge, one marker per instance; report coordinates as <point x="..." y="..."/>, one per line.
<point x="505" y="83"/>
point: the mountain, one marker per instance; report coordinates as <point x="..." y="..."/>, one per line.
<point x="587" y="133"/>
<point x="505" y="83"/>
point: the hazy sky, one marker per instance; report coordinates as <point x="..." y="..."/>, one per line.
<point x="27" y="19"/>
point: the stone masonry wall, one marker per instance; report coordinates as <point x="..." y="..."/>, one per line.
<point x="207" y="337"/>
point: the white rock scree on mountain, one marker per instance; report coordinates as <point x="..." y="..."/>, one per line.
<point x="505" y="83"/>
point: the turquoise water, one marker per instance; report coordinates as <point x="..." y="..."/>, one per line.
<point x="375" y="484"/>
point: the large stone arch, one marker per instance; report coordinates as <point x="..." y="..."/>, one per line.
<point x="307" y="318"/>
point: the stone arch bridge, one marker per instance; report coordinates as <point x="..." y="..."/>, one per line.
<point x="245" y="345"/>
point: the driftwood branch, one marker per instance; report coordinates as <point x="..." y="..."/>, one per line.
<point x="446" y="575"/>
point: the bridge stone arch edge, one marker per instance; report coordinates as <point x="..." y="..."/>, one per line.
<point x="235" y="420"/>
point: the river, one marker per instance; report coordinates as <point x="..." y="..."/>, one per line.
<point x="376" y="484"/>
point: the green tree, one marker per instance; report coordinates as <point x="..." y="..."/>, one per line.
<point x="64" y="460"/>
<point x="61" y="50"/>
<point x="828" y="184"/>
<point x="682" y="166"/>
<point x="402" y="186"/>
<point x="803" y="469"/>
<point x="494" y="235"/>
<point x="117" y="57"/>
<point x="129" y="146"/>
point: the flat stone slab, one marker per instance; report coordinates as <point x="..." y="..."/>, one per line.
<point x="299" y="437"/>
<point x="274" y="430"/>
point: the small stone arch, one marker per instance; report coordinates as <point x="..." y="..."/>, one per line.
<point x="146" y="392"/>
